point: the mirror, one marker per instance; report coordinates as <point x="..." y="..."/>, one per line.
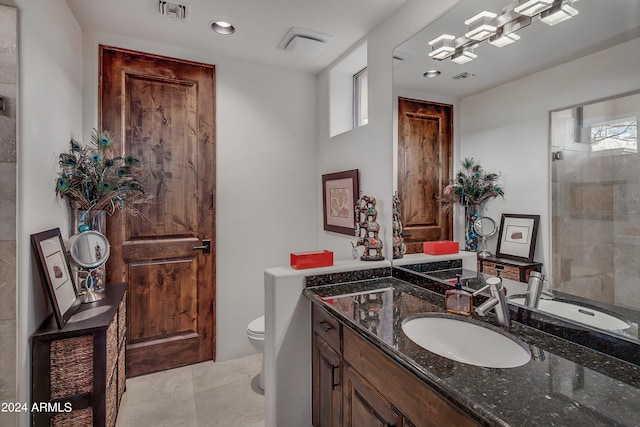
<point x="485" y="227"/>
<point x="89" y="250"/>
<point x="498" y="119"/>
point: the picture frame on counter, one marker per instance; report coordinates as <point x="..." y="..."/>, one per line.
<point x="340" y="191"/>
<point x="55" y="273"/>
<point x="517" y="237"/>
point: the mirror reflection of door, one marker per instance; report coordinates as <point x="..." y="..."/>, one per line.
<point x="424" y="167"/>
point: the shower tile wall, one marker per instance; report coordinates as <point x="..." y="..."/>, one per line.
<point x="8" y="91"/>
<point x="595" y="217"/>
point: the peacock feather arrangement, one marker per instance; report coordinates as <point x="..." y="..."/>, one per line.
<point x="471" y="186"/>
<point x="91" y="180"/>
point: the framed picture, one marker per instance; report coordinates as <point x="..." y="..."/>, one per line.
<point x="517" y="237"/>
<point x="55" y="273"/>
<point x="339" y="194"/>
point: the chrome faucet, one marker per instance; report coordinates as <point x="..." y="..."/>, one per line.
<point x="535" y="290"/>
<point x="498" y="301"/>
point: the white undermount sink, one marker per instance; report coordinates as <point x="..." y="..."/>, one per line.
<point x="466" y="341"/>
<point x="578" y="313"/>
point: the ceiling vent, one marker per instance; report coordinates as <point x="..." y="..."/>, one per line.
<point x="463" y="76"/>
<point x="179" y="11"/>
<point x="304" y="43"/>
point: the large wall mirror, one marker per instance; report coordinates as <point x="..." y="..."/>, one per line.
<point x="601" y="40"/>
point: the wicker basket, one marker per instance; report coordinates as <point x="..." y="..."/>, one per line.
<point x="112" y="402"/>
<point x="122" y="318"/>
<point x="79" y="418"/>
<point x="71" y="362"/>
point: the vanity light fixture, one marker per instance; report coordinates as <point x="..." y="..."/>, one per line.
<point x="431" y="73"/>
<point x="481" y="26"/>
<point x="559" y="12"/>
<point x="532" y="7"/>
<point x="500" y="39"/>
<point x="222" y="27"/>
<point x="442" y="46"/>
<point x="464" y="55"/>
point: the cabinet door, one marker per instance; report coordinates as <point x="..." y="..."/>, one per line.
<point x="364" y="406"/>
<point x="327" y="384"/>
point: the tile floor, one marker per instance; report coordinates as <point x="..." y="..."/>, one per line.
<point x="207" y="394"/>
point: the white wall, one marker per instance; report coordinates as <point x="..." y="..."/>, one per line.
<point x="49" y="114"/>
<point x="507" y="128"/>
<point x="369" y="148"/>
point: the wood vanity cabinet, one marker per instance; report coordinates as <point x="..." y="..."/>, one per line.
<point x="355" y="384"/>
<point x="327" y="370"/>
<point x="509" y="269"/>
<point x="78" y="372"/>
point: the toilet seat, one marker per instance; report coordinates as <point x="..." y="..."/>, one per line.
<point x="256" y="328"/>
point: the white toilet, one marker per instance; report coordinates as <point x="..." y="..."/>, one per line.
<point x="255" y="333"/>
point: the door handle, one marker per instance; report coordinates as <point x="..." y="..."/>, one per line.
<point x="205" y="248"/>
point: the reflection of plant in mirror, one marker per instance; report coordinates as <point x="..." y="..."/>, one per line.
<point x="471" y="186"/>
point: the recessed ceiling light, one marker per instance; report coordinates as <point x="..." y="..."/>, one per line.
<point x="222" y="27"/>
<point x="431" y="73"/>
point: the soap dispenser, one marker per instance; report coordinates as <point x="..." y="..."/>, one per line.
<point x="457" y="300"/>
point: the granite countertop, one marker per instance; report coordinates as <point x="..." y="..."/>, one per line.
<point x="564" y="384"/>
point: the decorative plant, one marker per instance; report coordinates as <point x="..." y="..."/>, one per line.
<point x="90" y="180"/>
<point x="471" y="186"/>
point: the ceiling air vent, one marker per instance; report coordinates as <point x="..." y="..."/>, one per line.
<point x="304" y="43"/>
<point x="177" y="11"/>
<point x="462" y="76"/>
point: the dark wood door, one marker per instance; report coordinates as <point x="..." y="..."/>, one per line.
<point x="162" y="111"/>
<point x="364" y="406"/>
<point x="424" y="168"/>
<point x="327" y="384"/>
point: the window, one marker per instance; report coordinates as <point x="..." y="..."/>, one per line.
<point x="615" y="134"/>
<point x="360" y="98"/>
<point x="348" y="92"/>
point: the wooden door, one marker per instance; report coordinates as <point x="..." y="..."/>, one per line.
<point x="424" y="167"/>
<point x="162" y="111"/>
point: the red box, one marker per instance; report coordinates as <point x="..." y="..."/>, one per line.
<point x="440" y="247"/>
<point x="301" y="260"/>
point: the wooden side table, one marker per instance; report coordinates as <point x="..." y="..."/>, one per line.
<point x="508" y="268"/>
<point x="78" y="372"/>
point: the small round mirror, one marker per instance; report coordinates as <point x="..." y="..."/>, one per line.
<point x="484" y="227"/>
<point x="89" y="249"/>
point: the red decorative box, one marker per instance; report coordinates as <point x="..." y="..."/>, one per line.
<point x="440" y="247"/>
<point x="301" y="260"/>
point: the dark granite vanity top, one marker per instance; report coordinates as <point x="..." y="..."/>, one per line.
<point x="564" y="384"/>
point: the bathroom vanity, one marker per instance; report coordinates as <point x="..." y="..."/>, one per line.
<point x="366" y="371"/>
<point x="355" y="382"/>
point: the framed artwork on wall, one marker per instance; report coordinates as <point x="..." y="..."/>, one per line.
<point x="517" y="237"/>
<point x="339" y="194"/>
<point x="55" y="273"/>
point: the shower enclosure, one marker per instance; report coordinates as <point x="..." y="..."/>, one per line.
<point x="595" y="167"/>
